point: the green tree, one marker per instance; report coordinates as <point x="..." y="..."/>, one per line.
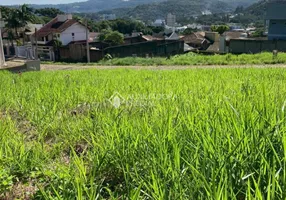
<point x="57" y="45"/>
<point x="258" y="33"/>
<point x="103" y="34"/>
<point x="111" y="37"/>
<point x="188" y="31"/>
<point x="48" y="12"/>
<point x="124" y="26"/>
<point x="156" y="29"/>
<point x="220" y="29"/>
<point x="18" y="18"/>
<point x="11" y="37"/>
<point x="12" y="19"/>
<point x="239" y="9"/>
<point x="114" y="38"/>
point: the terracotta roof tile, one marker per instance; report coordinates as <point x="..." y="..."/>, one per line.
<point x="54" y="26"/>
<point x="194" y="38"/>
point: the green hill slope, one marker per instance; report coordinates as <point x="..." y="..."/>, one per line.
<point x="181" y="8"/>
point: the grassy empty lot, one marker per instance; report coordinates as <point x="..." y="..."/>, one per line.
<point x="192" y="59"/>
<point x="139" y="134"/>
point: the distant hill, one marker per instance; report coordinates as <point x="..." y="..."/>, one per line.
<point x="252" y="14"/>
<point x="181" y="8"/>
<point x="97" y="5"/>
<point x="244" y="3"/>
<point x="257" y="9"/>
<point x="100" y="5"/>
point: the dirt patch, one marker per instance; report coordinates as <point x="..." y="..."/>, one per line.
<point x="20" y="190"/>
<point x="22" y="124"/>
<point x="81" y="109"/>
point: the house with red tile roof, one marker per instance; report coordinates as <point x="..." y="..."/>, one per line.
<point x="63" y="28"/>
<point x="197" y="40"/>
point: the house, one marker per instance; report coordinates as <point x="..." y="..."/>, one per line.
<point x="276" y="19"/>
<point x="63" y="28"/>
<point x="135" y="37"/>
<point x="30" y="30"/>
<point x="197" y="40"/>
<point x="214" y="38"/>
<point x="173" y="36"/>
<point x="159" y="23"/>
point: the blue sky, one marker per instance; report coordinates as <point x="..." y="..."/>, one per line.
<point x="14" y="2"/>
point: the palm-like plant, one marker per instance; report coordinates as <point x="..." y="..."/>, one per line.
<point x="25" y="15"/>
<point x="13" y="21"/>
<point x="18" y="18"/>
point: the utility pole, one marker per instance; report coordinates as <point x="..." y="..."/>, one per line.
<point x="2" y="57"/>
<point x="36" y="45"/>
<point x="87" y="43"/>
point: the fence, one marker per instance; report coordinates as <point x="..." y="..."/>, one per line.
<point x="151" y="48"/>
<point x="256" y="46"/>
<point x="77" y="52"/>
<point x="45" y="53"/>
<point x="9" y="50"/>
<point x="73" y="52"/>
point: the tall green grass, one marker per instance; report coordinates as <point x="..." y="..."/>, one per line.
<point x="191" y="59"/>
<point x="198" y="59"/>
<point x="192" y="134"/>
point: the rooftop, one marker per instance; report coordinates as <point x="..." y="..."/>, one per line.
<point x="195" y="38"/>
<point x="56" y="25"/>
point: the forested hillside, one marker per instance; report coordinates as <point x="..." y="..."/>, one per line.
<point x="183" y="9"/>
<point x="100" y="5"/>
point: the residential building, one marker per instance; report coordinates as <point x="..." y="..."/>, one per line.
<point x="63" y="28"/>
<point x="30" y="31"/>
<point x="276" y="20"/>
<point x="135" y="37"/>
<point x="197" y="40"/>
<point x="173" y="36"/>
<point x="214" y="38"/>
<point x="171" y="20"/>
<point x="159" y="22"/>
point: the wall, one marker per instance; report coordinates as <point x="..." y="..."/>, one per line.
<point x="277" y="30"/>
<point x="139" y="49"/>
<point x="152" y="48"/>
<point x="73" y="52"/>
<point x="77" y="52"/>
<point x="96" y="55"/>
<point x="256" y="46"/>
<point x="79" y="34"/>
<point x="212" y="36"/>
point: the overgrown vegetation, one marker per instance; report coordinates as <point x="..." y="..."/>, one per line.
<point x="111" y="37"/>
<point x="199" y="59"/>
<point x="208" y="134"/>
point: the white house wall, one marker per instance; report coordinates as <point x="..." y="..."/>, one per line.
<point x="79" y="34"/>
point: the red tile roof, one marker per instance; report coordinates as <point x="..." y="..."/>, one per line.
<point x="194" y="38"/>
<point x="54" y="26"/>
